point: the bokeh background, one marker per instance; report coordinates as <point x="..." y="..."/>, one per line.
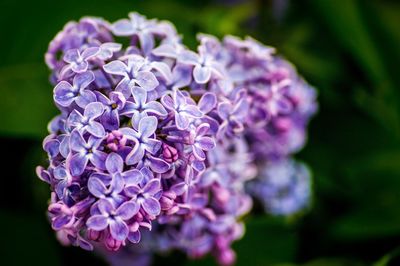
<point x="348" y="49"/>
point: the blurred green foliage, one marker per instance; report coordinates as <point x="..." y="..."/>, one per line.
<point x="348" y="49"/>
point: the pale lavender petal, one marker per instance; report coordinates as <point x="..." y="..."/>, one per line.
<point x="97" y="222"/>
<point x="165" y="50"/>
<point x="147" y="80"/>
<point x="64" y="94"/>
<point x="135" y="155"/>
<point x="132" y="177"/>
<point x="96" y="187"/>
<point x="85" y="98"/>
<point x="96" y="129"/>
<point x="189" y="57"/>
<point x="193" y="111"/>
<point x="152" y="206"/>
<point x="146" y="42"/>
<point x="105" y="206"/>
<point x="158" y="165"/>
<point x="71" y="55"/>
<point x="80" y="67"/>
<point x="134" y="237"/>
<point x="164" y="70"/>
<point x="127" y="210"/>
<point x="205" y="143"/>
<point x="201" y="74"/>
<point x="179" y="99"/>
<point x="147" y="126"/>
<point x="132" y="190"/>
<point x="98" y="159"/>
<point x="168" y="102"/>
<point x="123" y="27"/>
<point x="90" y="52"/>
<point x="119" y="230"/>
<point x="83" y="80"/>
<point x="94" y="110"/>
<point x="114" y="163"/>
<point x="140" y="95"/>
<point x="179" y="188"/>
<point x="152" y="145"/>
<point x="77" y="164"/>
<point x="181" y="76"/>
<point x="152" y="187"/>
<point x="116" y="68"/>
<point x="207" y="102"/>
<point x="76" y="142"/>
<point x="224" y="110"/>
<point x="182" y="122"/>
<point x="156" y="108"/>
<point x="199" y="153"/>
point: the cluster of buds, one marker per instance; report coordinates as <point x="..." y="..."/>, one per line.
<point x="155" y="144"/>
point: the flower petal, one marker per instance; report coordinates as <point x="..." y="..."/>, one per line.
<point x="205" y="143"/>
<point x="132" y="177"/>
<point x="96" y="129"/>
<point x="127" y="210"/>
<point x="156" y="108"/>
<point x="83" y="80"/>
<point x="119" y="230"/>
<point x="152" y="206"/>
<point x="97" y="222"/>
<point x="201" y="74"/>
<point x="114" y="163"/>
<point x="147" y="80"/>
<point x="93" y="110"/>
<point x="96" y="187"/>
<point x="207" y="102"/>
<point x="64" y="94"/>
<point x="77" y="164"/>
<point x="147" y="126"/>
<point x="123" y="27"/>
<point x="116" y="68"/>
<point x="152" y="187"/>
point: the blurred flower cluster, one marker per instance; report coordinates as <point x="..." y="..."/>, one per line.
<point x="160" y="148"/>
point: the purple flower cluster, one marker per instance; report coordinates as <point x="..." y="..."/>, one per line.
<point x="155" y="137"/>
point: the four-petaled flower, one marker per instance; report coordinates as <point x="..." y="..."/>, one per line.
<point x="204" y="65"/>
<point x="83" y="152"/>
<point x="133" y="74"/>
<point x="77" y="61"/>
<point x="144" y="192"/>
<point x="107" y="215"/>
<point x="65" y="93"/>
<point x="140" y="108"/>
<point x="183" y="110"/>
<point x="86" y="122"/>
<point x="142" y="138"/>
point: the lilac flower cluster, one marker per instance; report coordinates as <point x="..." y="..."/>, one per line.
<point x="155" y="137"/>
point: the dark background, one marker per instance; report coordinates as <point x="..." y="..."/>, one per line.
<point x="348" y="49"/>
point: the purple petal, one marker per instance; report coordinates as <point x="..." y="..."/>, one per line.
<point x="146" y="42"/>
<point x="105" y="206"/>
<point x="96" y="129"/>
<point x="181" y="120"/>
<point x="76" y="142"/>
<point x="127" y="210"/>
<point x="98" y="159"/>
<point x="182" y="76"/>
<point x="202" y="129"/>
<point x="52" y="147"/>
<point x="60" y="221"/>
<point x="164" y="70"/>
<point x="79" y="67"/>
<point x="147" y="126"/>
<point x="94" y="110"/>
<point x="134" y="237"/>
<point x="119" y="230"/>
<point x="96" y="187"/>
<point x="110" y="119"/>
<point x="158" y="165"/>
<point x="165" y="50"/>
<point x="193" y="111"/>
<point x="97" y="222"/>
<point x="179" y="99"/>
<point x="205" y="143"/>
<point x="116" y="68"/>
<point x="207" y="102"/>
<point x="152" y="206"/>
<point x="156" y="108"/>
<point x="114" y="163"/>
<point x="71" y="55"/>
<point x="85" y="98"/>
<point x="147" y="80"/>
<point x="90" y="52"/>
<point x="132" y="190"/>
<point x="77" y="164"/>
<point x="168" y="102"/>
<point x="201" y="74"/>
<point x="129" y="133"/>
<point x="132" y="177"/>
<point x="123" y="27"/>
<point x="179" y="188"/>
<point x="199" y="153"/>
<point x="224" y="110"/>
<point x="152" y="187"/>
<point x="83" y="80"/>
<point x="135" y="155"/>
<point x="188" y="57"/>
<point x="64" y="94"/>
<point x="140" y="95"/>
<point x="152" y="145"/>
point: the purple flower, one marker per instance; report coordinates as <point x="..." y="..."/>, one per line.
<point x="108" y="216"/>
<point x="63" y="179"/>
<point x="83" y="152"/>
<point x="138" y="26"/>
<point x="141" y="107"/>
<point x="108" y="49"/>
<point x="65" y="93"/>
<point x="133" y="74"/>
<point x="204" y="65"/>
<point x="78" y="62"/>
<point x="144" y="193"/>
<point x="113" y="105"/>
<point x="142" y="138"/>
<point x="183" y="110"/>
<point x="86" y="122"/>
<point x="201" y="142"/>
